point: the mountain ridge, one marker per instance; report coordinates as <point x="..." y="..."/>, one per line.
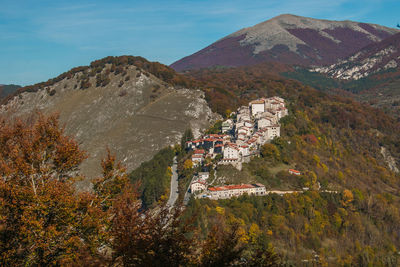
<point x="117" y="105"/>
<point x="289" y="39"/>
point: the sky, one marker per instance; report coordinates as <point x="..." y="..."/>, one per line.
<point x="41" y="39"/>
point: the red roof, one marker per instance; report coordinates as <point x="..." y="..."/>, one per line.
<point x="219" y="145"/>
<point x="231" y="187"/>
<point x="199" y="151"/>
<point x="200" y="182"/>
<point x="291" y="170"/>
<point x="197" y="156"/>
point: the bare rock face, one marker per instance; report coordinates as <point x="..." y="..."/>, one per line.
<point x="390" y="161"/>
<point x="373" y="58"/>
<point x="288" y="39"/>
<point x="135" y="114"/>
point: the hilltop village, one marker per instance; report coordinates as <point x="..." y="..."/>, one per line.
<point x="243" y="134"/>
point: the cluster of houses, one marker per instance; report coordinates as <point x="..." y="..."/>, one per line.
<point x="242" y="135"/>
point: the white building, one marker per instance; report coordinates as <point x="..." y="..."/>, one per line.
<point x="281" y="112"/>
<point x="231" y="152"/>
<point x="204" y="175"/>
<point x="295" y="172"/>
<point x="263" y="122"/>
<point x="257" y="106"/>
<point x="198" y="186"/>
<point x="244" y="150"/>
<point x="229" y="191"/>
<point x="243" y="130"/>
<point x="227" y="125"/>
<point x="273" y="131"/>
<point x="197" y="160"/>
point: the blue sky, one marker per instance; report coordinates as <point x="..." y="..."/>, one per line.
<point x="41" y="39"/>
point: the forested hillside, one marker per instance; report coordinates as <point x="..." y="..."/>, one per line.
<point x="337" y="144"/>
<point x="154" y="177"/>
<point x="348" y="217"/>
<point x="45" y="222"/>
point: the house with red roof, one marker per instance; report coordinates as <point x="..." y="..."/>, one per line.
<point x="197" y="159"/>
<point x="198" y="186"/>
<point x="228" y="191"/>
<point x="294" y="172"/>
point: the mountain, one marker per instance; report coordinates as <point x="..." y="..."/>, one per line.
<point x="376" y="57"/>
<point x="287" y="39"/>
<point x="9" y="89"/>
<point x="128" y="104"/>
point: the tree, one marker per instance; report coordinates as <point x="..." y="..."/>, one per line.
<point x="187" y="136"/>
<point x="221" y="247"/>
<point x="270" y="152"/>
<point x="188" y="164"/>
<point x="43" y="220"/>
<point x="149" y="238"/>
<point x="112" y="182"/>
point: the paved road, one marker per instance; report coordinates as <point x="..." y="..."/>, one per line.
<point x="173" y="195"/>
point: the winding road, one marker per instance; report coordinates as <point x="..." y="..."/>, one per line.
<point x="173" y="194"/>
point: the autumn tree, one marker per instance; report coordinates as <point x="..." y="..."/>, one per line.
<point x="43" y="221"/>
<point x="112" y="182"/>
<point x="270" y="152"/>
<point x="149" y="238"/>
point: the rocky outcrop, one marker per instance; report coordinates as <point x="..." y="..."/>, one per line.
<point x="390" y="161"/>
<point x="372" y="59"/>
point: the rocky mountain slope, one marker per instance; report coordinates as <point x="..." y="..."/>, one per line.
<point x="376" y="57"/>
<point x="116" y="105"/>
<point x="288" y="39"/>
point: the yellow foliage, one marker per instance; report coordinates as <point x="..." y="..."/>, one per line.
<point x="169" y="171"/>
<point x="220" y="210"/>
<point x="254" y="232"/>
<point x="243" y="237"/>
<point x="340" y="175"/>
<point x="316" y="159"/>
<point x="188" y="164"/>
<point x="306" y="228"/>
<point x="338" y="220"/>
<point x="347" y="196"/>
<point x="324" y="167"/>
<point x="269" y="232"/>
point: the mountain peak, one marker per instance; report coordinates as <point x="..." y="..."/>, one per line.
<point x="289" y="39"/>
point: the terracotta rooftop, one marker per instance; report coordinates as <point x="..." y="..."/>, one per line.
<point x="199" y="151"/>
<point x="233" y="187"/>
<point x="295" y="171"/>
